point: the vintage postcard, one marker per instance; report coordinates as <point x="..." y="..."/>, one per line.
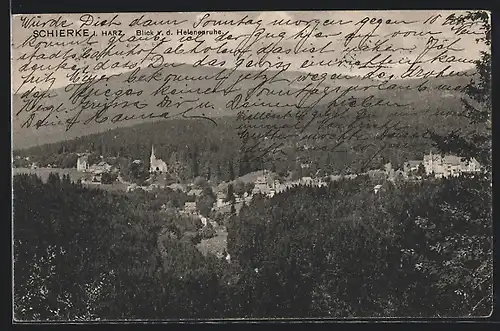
<point x="251" y="165"/>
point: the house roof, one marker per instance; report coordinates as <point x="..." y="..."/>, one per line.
<point x="413" y="162"/>
<point x="222" y="187"/>
<point x="195" y="191"/>
<point x="177" y="186"/>
<point x="453" y="160"/>
<point x="474" y="161"/>
<point x="434" y="157"/>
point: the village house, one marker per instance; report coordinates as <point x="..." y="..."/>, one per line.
<point x="306" y="181"/>
<point x="100" y="167"/>
<point x="189" y="207"/>
<point x="411" y="166"/>
<point x="132" y="187"/>
<point x="178" y="187"/>
<point x="221" y="200"/>
<point x="195" y="191"/>
<point x="82" y="163"/>
<point x="263" y="184"/>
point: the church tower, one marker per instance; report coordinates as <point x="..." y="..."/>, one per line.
<point x="153" y="157"/>
<point x="156" y="165"/>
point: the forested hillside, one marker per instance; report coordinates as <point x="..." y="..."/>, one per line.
<point x="413" y="249"/>
<point x="217" y="145"/>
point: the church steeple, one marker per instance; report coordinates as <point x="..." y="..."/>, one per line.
<point x="153" y="152"/>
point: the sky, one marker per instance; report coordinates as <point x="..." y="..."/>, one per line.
<point x="470" y="47"/>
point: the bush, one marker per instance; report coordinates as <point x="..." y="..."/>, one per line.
<point x="108" y="178"/>
<point x="207" y="232"/>
<point x="239" y="187"/>
<point x="200" y="182"/>
<point x="187" y="223"/>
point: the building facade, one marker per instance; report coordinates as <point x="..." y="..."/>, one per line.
<point x="82" y="164"/>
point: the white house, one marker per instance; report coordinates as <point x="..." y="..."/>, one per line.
<point x="82" y="164"/>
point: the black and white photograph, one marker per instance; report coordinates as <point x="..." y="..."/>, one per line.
<point x="260" y="165"/>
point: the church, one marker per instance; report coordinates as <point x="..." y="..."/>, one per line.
<point x="156" y="165"/>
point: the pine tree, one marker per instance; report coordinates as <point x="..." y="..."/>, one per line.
<point x="218" y="171"/>
<point x="478" y="110"/>
<point x="233" y="208"/>
<point x="230" y="193"/>
<point x="477" y="106"/>
<point x="231" y="169"/>
<point x="195" y="162"/>
<point x="244" y="163"/>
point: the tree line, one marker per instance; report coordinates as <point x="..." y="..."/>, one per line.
<point x="412" y="249"/>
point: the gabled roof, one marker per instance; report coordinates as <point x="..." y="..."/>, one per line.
<point x="177" y="186"/>
<point x="195" y="191"/>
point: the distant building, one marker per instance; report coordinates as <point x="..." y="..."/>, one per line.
<point x="195" y="191"/>
<point x="97" y="178"/>
<point x="377" y="174"/>
<point x="190" y="207"/>
<point x="156" y="165"/>
<point x="178" y="187"/>
<point x="411" y="166"/>
<point x="100" y="168"/>
<point x="220" y="195"/>
<point x="448" y="165"/>
<point x="307" y="181"/>
<point x="221" y="200"/>
<point x="132" y="187"/>
<point x="263" y="183"/>
<point x="82" y="164"/>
